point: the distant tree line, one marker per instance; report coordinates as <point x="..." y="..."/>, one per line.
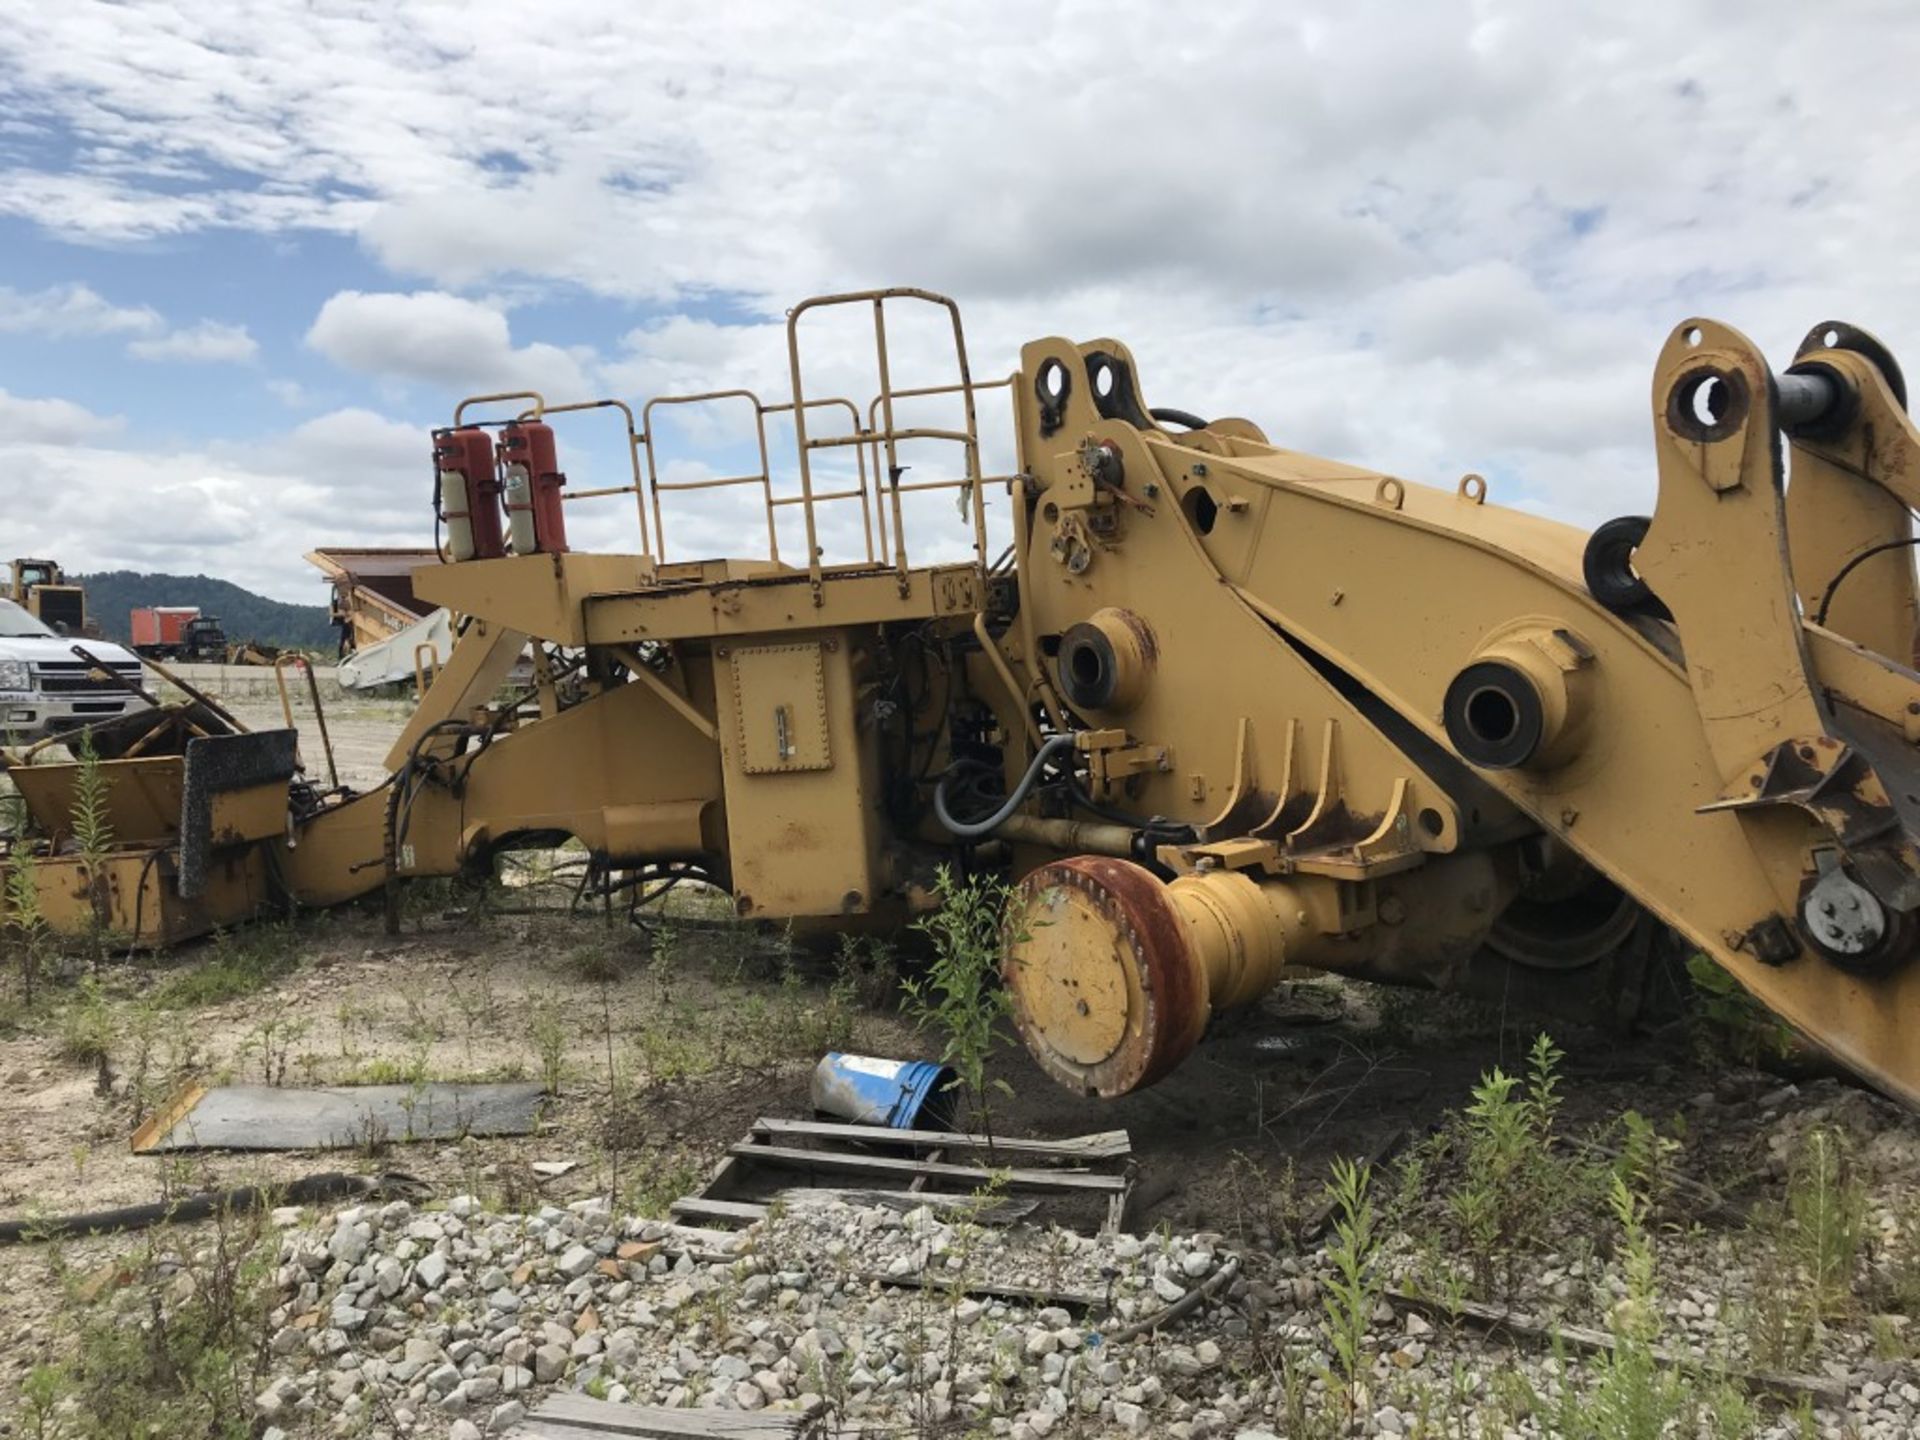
<point x="114" y="594"/>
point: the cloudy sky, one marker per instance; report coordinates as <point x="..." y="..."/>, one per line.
<point x="254" y="250"/>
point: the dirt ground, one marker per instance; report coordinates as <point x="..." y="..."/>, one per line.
<point x="360" y="730"/>
<point x="726" y="1027"/>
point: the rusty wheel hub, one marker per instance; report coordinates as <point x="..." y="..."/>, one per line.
<point x="1107" y="992"/>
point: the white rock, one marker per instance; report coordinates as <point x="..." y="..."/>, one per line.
<point x="549" y="1363"/>
<point x="482" y="1389"/>
<point x="273" y="1401"/>
<point x="577" y="1261"/>
<point x="1180" y="1361"/>
<point x="349" y="1243"/>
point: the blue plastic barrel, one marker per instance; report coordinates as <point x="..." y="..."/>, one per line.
<point x="900" y="1094"/>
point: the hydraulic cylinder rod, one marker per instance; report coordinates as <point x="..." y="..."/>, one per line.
<point x="1115" y="972"/>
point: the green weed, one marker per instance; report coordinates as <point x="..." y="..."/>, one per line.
<point x="1728" y="1023"/>
<point x="86" y="1028"/>
<point x="1633" y="1392"/>
<point x="652" y="1192"/>
<point x="960" y="996"/>
<point x="235" y="964"/>
<point x="1353" y="1291"/>
<point x="93" y="835"/>
<point x="1811" y="1248"/>
<point x="1514" y="1192"/>
<point x="1826" y="1210"/>
<point x="549" y="1029"/>
<point x="597" y="959"/>
<point x="25" y="929"/>
<point x="177" y="1352"/>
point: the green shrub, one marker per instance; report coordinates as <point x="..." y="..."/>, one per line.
<point x="960" y="997"/>
<point x="1354" y="1289"/>
<point x="1513" y="1192"/>
<point x="174" y="1353"/>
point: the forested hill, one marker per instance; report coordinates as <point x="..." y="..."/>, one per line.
<point x="113" y="595"/>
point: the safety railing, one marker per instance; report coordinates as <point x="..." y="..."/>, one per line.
<point x="280" y="664"/>
<point x="885" y="439"/>
<point x="635" y="440"/>
<point x="875" y="440"/>
<point x="896" y="487"/>
<point x="763" y="477"/>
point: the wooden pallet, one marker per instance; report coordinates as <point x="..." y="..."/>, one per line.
<point x="580" y="1417"/>
<point x="799" y="1160"/>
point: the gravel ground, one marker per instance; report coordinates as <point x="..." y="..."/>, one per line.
<point x="398" y="1321"/>
<point x="426" y="1320"/>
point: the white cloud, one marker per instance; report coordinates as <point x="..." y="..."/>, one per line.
<point x="1428" y="238"/>
<point x="358" y="446"/>
<point x="63" y="311"/>
<point x="206" y="343"/>
<point x="76" y="311"/>
<point x="440" y="339"/>
<point x="49" y="422"/>
<point x="243" y="512"/>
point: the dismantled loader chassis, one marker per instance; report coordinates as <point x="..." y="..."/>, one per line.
<point x="1223" y="709"/>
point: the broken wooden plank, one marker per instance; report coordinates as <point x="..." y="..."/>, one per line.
<point x="336" y="1117"/>
<point x="698" y="1207"/>
<point x="580" y="1417"/>
<point x="1498" y="1321"/>
<point x="691" y="1425"/>
<point x="724" y="1180"/>
<point x="991" y="1289"/>
<point x="919" y="1182"/>
<point x="689" y="1428"/>
<point x="829" y="1160"/>
<point x="997" y="1210"/>
<point x="1117" y="1206"/>
<point x="1104" y="1145"/>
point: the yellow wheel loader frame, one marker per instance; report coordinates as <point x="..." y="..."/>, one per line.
<point x="1221" y="709"/>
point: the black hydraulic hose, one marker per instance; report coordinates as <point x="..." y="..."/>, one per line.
<point x="1826" y="600"/>
<point x="329" y="1186"/>
<point x="1086" y="802"/>
<point x="1167" y="414"/>
<point x="976" y="829"/>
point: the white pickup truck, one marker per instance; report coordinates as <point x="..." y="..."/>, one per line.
<point x="45" y="689"/>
